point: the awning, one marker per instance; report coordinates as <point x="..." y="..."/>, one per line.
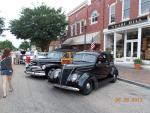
<point x="79" y="40"/>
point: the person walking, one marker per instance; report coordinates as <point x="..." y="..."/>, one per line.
<point x="6" y="71"/>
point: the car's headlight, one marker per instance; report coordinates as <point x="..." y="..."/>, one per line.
<point x="74" y="77"/>
<point x="56" y="73"/>
<point x="43" y="67"/>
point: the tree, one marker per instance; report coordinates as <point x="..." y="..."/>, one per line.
<point x="6" y="44"/>
<point x="24" y="45"/>
<point x="41" y="25"/>
<point x="1" y="25"/>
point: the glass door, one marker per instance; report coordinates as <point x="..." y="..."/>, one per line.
<point x="131" y="50"/>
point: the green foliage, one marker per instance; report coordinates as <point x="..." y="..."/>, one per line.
<point x="41" y="25"/>
<point x="1" y="25"/>
<point x="24" y="45"/>
<point x="138" y="61"/>
<point x="6" y="44"/>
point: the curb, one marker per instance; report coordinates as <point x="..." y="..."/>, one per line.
<point x="135" y="83"/>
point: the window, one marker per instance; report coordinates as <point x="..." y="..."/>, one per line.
<point x="112" y="14"/>
<point x="126" y="9"/>
<point x="81" y="26"/>
<point x="94" y="17"/>
<point x="144" y="6"/>
<point x="71" y="30"/>
<point x="76" y="28"/>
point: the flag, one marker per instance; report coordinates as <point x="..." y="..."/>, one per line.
<point x="93" y="44"/>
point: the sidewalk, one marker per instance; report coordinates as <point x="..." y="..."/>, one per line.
<point x="132" y="75"/>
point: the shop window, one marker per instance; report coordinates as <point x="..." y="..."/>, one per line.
<point x="145" y="6"/>
<point x="126" y="9"/>
<point x="119" y="46"/>
<point x="112" y="14"/>
<point x="110" y="43"/>
<point x="94" y="17"/>
<point x="145" y="44"/>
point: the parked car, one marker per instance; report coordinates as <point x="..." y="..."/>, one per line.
<point x="40" y="55"/>
<point x="54" y="60"/>
<point x="86" y="72"/>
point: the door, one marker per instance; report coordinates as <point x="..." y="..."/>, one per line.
<point x="131" y="50"/>
<point x="103" y="65"/>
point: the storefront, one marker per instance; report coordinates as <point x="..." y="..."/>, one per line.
<point x="129" y="40"/>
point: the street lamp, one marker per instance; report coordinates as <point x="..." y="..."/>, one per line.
<point x="85" y="27"/>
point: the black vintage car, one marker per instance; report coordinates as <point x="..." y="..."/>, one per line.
<point x="54" y="60"/>
<point x="86" y="72"/>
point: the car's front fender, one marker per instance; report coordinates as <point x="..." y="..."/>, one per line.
<point x="85" y="77"/>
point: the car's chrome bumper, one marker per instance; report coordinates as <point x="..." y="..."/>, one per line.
<point x="41" y="73"/>
<point x="29" y="72"/>
<point x="66" y="87"/>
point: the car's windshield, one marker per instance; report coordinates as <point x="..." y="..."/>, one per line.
<point x="84" y="57"/>
<point x="55" y="55"/>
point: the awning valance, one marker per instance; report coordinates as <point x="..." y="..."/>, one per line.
<point x="79" y="40"/>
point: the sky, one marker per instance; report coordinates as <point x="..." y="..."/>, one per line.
<point x="10" y="9"/>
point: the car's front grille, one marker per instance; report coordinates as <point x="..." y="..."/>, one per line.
<point x="65" y="75"/>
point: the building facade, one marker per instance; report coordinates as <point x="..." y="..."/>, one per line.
<point x="121" y="27"/>
<point x="127" y="30"/>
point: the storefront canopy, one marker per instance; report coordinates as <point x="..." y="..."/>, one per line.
<point x="79" y="40"/>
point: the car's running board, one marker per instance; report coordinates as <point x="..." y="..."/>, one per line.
<point x="104" y="81"/>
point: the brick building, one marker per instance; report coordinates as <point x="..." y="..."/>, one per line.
<point x="121" y="27"/>
<point x="85" y="25"/>
<point x="127" y="30"/>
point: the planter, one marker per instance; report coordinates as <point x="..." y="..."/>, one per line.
<point x="137" y="66"/>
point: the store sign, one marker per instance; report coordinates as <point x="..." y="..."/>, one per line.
<point x="130" y="22"/>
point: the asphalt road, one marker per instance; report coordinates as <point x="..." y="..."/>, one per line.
<point x="36" y="95"/>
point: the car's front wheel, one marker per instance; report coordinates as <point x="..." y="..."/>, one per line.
<point x="49" y="74"/>
<point x="88" y="88"/>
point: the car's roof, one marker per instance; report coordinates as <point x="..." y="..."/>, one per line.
<point x="93" y="52"/>
<point x="66" y="50"/>
<point x="89" y="52"/>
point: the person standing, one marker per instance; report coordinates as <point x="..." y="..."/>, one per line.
<point x="35" y="55"/>
<point x="6" y="71"/>
<point x="18" y="56"/>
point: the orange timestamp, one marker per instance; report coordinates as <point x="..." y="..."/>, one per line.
<point x="128" y="100"/>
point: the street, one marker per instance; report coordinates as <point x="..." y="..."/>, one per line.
<point x="36" y="95"/>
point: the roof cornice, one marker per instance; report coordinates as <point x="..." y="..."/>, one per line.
<point x="83" y="4"/>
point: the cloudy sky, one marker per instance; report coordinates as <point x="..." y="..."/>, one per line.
<point x="10" y="9"/>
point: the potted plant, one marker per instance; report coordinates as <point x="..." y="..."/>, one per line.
<point x="137" y="63"/>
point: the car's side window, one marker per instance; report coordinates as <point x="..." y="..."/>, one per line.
<point x="110" y="58"/>
<point x="65" y="55"/>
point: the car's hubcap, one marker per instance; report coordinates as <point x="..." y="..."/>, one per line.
<point x="114" y="75"/>
<point x="50" y="73"/>
<point x="88" y="86"/>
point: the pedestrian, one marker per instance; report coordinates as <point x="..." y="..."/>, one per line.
<point x="27" y="60"/>
<point x="35" y="55"/>
<point x="18" y="54"/>
<point x="6" y="71"/>
<point x="13" y="54"/>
